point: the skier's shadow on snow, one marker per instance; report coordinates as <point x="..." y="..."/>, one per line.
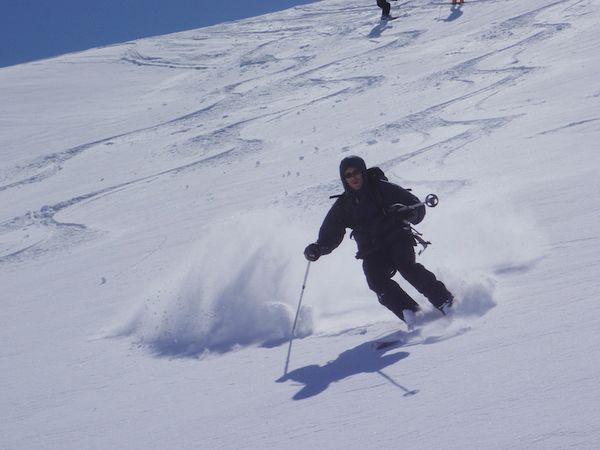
<point x="361" y="359"/>
<point x="455" y="13"/>
<point x="378" y="29"/>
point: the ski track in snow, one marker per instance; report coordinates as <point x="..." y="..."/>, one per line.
<point x="308" y="79"/>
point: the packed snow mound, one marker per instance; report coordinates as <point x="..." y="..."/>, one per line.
<point x="234" y="290"/>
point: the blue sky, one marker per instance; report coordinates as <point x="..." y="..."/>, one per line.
<point x="36" y="29"/>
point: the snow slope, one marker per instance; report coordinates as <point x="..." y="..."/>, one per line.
<point x="156" y="196"/>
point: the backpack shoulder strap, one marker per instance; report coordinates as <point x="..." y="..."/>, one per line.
<point x="378" y="195"/>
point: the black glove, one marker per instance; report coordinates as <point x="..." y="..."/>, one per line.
<point x="312" y="252"/>
<point x="402" y="212"/>
<point x="398" y="208"/>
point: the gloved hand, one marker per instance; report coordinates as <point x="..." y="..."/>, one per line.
<point x="398" y="208"/>
<point x="402" y="212"/>
<point x="312" y="252"/>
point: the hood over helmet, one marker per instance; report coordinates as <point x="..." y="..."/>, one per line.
<point x="352" y="161"/>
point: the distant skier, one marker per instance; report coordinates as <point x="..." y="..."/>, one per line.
<point x="369" y="206"/>
<point x="385" y="10"/>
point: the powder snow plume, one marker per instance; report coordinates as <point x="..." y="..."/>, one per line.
<point x="239" y="287"/>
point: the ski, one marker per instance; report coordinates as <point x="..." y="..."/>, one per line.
<point x="381" y="345"/>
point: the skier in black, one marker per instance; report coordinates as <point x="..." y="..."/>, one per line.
<point x="370" y="207"/>
<point x="385" y="9"/>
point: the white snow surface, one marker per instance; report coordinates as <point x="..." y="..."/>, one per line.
<point x="156" y="197"/>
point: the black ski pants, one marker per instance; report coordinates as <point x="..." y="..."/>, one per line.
<point x="379" y="268"/>
<point x="385" y="6"/>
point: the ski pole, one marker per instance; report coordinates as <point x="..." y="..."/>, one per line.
<point x="287" y="361"/>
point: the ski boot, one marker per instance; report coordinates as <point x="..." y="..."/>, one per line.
<point x="446" y="305"/>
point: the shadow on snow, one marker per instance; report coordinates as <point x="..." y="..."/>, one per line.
<point x="361" y="359"/>
<point x="455" y="13"/>
<point x="365" y="358"/>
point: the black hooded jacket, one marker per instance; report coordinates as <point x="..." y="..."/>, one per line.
<point x="366" y="213"/>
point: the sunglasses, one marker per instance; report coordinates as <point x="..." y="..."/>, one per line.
<point x="352" y="173"/>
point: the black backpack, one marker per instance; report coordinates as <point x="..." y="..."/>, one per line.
<point x="376" y="174"/>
